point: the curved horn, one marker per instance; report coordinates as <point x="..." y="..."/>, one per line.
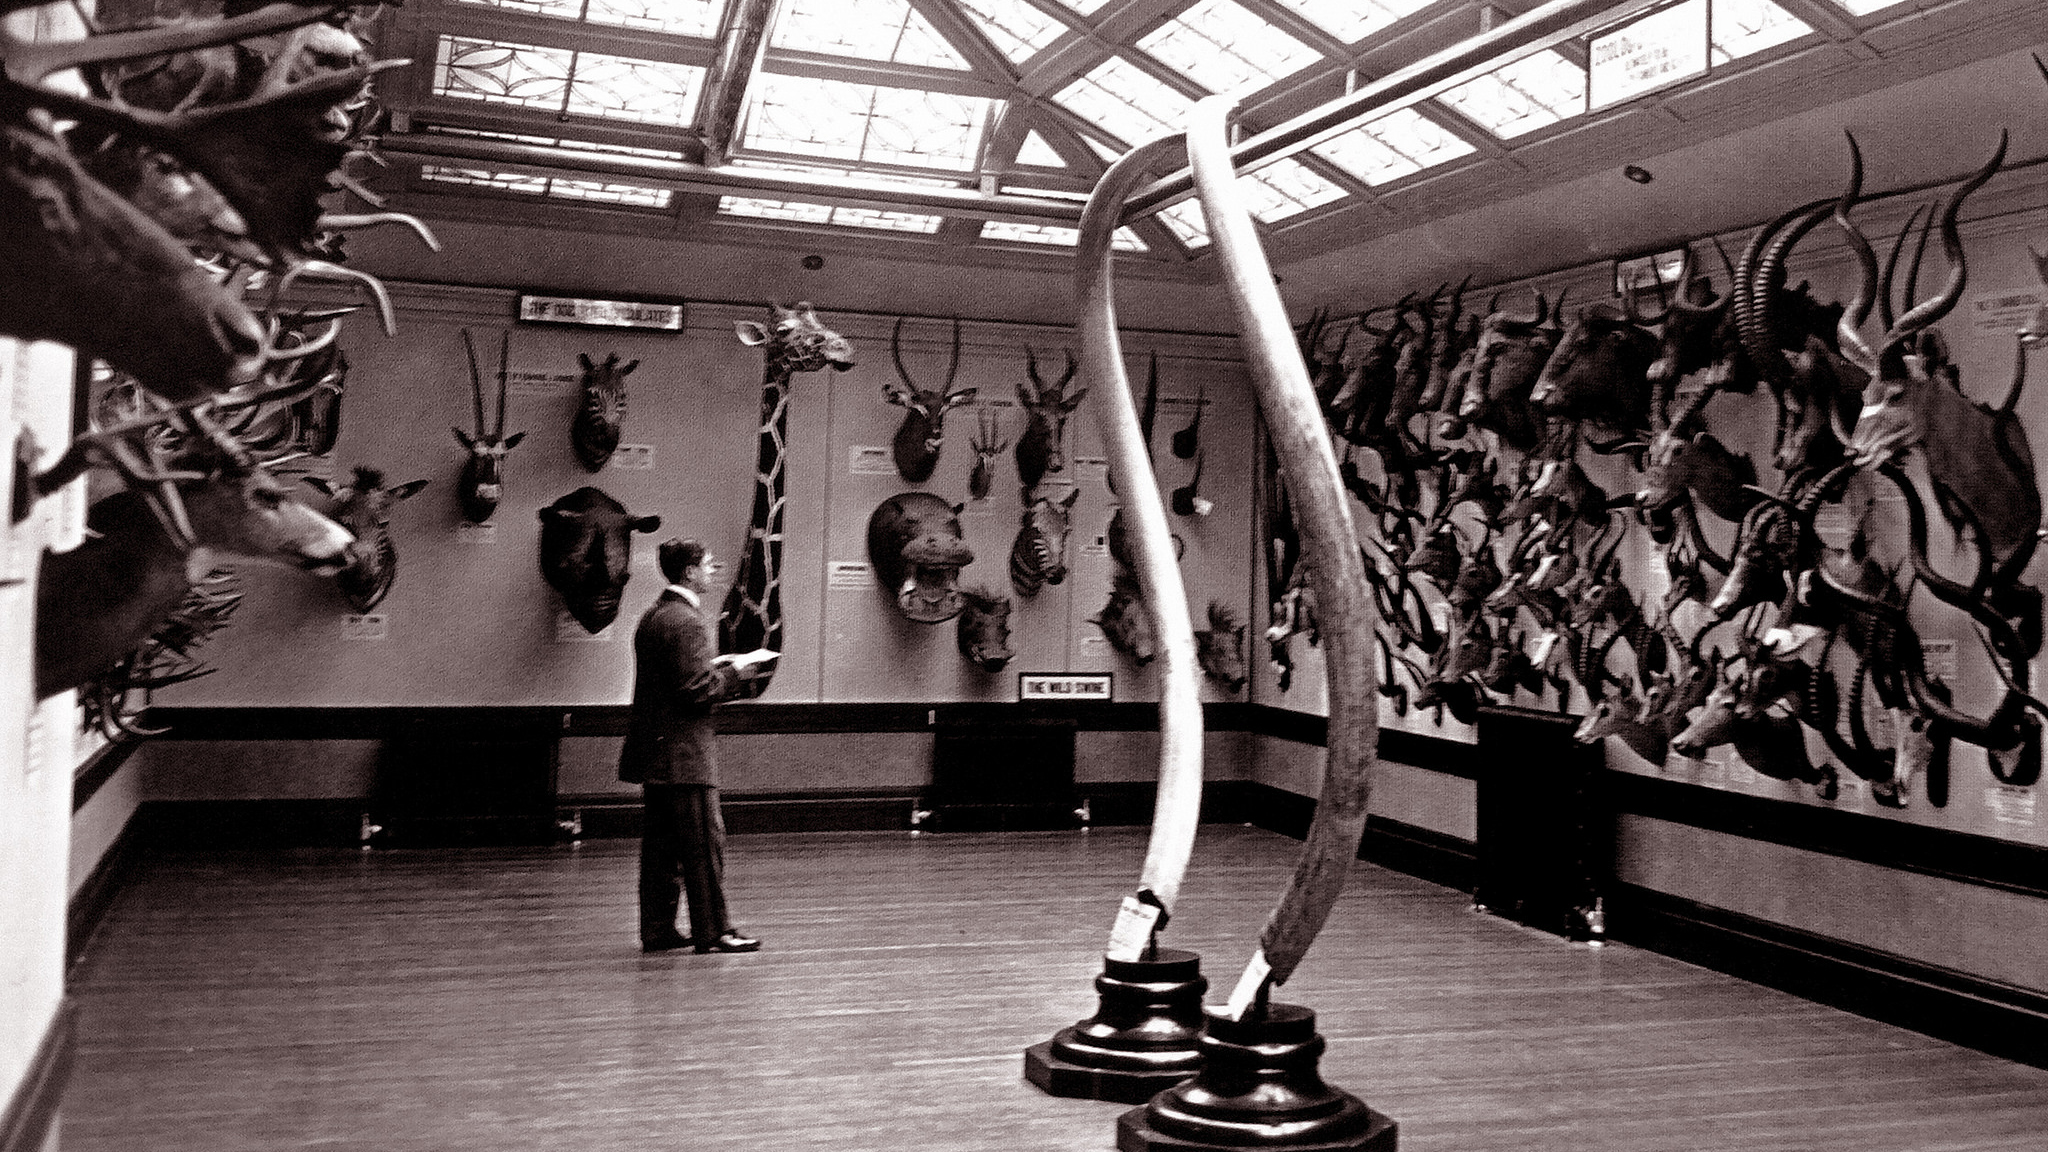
<point x="341" y="221"/>
<point x="1922" y="315"/>
<point x="326" y="270"/>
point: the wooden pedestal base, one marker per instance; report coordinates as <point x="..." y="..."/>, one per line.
<point x="1143" y="1038"/>
<point x="1258" y="1088"/>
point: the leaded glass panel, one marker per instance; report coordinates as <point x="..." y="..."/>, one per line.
<point x="1741" y="28"/>
<point x="1017" y="29"/>
<point x="1398" y="144"/>
<point x="847" y="121"/>
<point x="623" y="88"/>
<point x="868" y="29"/>
<point x="1122" y="240"/>
<point x="610" y="192"/>
<point x="1084" y="7"/>
<point x="676" y="17"/>
<point x="1187" y="222"/>
<point x="1125" y="100"/>
<point x="1284" y="188"/>
<point x="519" y="182"/>
<point x="497" y="72"/>
<point x="792" y="211"/>
<point x="1354" y="20"/>
<point x="1035" y="151"/>
<point x="1866" y="7"/>
<point x="1227" y="49"/>
<point x="1536" y="90"/>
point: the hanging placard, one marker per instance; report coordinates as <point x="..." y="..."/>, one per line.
<point x="870" y="460"/>
<point x="590" y="313"/>
<point x="1659" y="49"/>
<point x="1063" y="686"/>
<point x="848" y="574"/>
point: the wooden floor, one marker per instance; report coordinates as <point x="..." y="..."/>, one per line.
<point x="496" y="999"/>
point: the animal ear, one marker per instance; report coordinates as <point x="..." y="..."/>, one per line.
<point x="1073" y="494"/>
<point x="1074" y="401"/>
<point x="464" y="439"/>
<point x="647" y="524"/>
<point x="752" y="333"/>
<point x="319" y="485"/>
<point x="406" y="489"/>
<point x="552" y="515"/>
<point x="959" y="508"/>
<point x="963" y="396"/>
<point x="513" y="440"/>
<point x="583" y="358"/>
<point x="896" y="394"/>
<point x="630" y="365"/>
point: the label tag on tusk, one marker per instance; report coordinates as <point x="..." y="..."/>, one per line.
<point x="1132" y="930"/>
<point x="1248" y="985"/>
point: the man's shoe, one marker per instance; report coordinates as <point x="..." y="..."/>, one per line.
<point x="731" y="942"/>
<point x="668" y="943"/>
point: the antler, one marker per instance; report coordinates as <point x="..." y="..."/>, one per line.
<point x="30" y="62"/>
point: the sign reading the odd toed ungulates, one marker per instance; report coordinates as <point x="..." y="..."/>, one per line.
<point x="600" y="313"/>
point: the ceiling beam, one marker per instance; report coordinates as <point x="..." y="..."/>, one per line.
<point x="733" y="64"/>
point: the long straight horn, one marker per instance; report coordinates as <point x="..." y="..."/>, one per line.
<point x="476" y="382"/>
<point x="953" y="365"/>
<point x="504" y="378"/>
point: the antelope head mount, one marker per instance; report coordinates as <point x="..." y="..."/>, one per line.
<point x="922" y="433"/>
<point x="988" y="443"/>
<point x="1047" y="406"/>
<point x="483" y="475"/>
<point x="595" y="434"/>
<point x="363" y="506"/>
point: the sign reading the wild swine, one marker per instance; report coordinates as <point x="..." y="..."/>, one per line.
<point x="1063" y="686"/>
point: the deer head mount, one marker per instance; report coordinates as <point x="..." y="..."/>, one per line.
<point x="922" y="434"/>
<point x="984" y="630"/>
<point x="183" y="515"/>
<point x="1040" y="449"/>
<point x="363" y="506"/>
<point x="483" y="474"/>
<point x="586" y="553"/>
<point x="601" y="415"/>
<point x="917" y="550"/>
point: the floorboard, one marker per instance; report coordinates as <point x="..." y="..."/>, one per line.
<point x="430" y="999"/>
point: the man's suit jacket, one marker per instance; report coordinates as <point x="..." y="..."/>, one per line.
<point x="669" y="736"/>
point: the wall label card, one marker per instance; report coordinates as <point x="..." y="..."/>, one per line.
<point x="1132" y="931"/>
<point x="848" y="574"/>
<point x="2010" y="804"/>
<point x="870" y="460"/>
<point x="468" y="533"/>
<point x="633" y="457"/>
<point x="1940" y="659"/>
<point x="541" y="383"/>
<point x="1064" y="686"/>
<point x="2006" y="312"/>
<point x="366" y="626"/>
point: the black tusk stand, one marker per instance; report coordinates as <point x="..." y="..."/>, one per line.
<point x="1258" y="1088"/>
<point x="1143" y="1037"/>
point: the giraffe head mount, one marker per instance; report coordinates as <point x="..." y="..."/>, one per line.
<point x="795" y="340"/>
<point x="917" y="550"/>
<point x="922" y="433"/>
<point x="483" y="475"/>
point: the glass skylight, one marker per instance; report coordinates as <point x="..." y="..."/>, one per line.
<point x="798" y="212"/>
<point x="1187" y="222"/>
<point x="1743" y="27"/>
<point x="676" y="17"/>
<point x="1122" y="240"/>
<point x="1226" y="49"/>
<point x="556" y="187"/>
<point x="1534" y="91"/>
<point x="1354" y="20"/>
<point x="1084" y="7"/>
<point x="1398" y="144"/>
<point x="1017" y="29"/>
<point x="1036" y="151"/>
<point x="558" y="142"/>
<point x="1866" y="7"/>
<point x="888" y="30"/>
<point x="563" y="81"/>
<point x="839" y="120"/>
<point x="1284" y="188"/>
<point x="1127" y="101"/>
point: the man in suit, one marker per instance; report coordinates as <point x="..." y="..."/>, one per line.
<point x="670" y="752"/>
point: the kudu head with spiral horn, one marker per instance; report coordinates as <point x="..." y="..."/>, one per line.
<point x="483" y="475"/>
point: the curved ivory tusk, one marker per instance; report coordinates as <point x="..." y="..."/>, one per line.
<point x="342" y="221"/>
<point x="1329" y="547"/>
<point x="1177" y="810"/>
<point x="327" y="270"/>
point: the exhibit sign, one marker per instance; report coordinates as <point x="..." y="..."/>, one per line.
<point x="1064" y="686"/>
<point x="588" y="313"/>
<point x="1662" y="48"/>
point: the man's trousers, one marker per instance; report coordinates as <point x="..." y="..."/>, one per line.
<point x="682" y="849"/>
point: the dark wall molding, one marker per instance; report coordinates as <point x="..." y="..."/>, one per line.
<point x="100" y="768"/>
<point x="25" y="1125"/>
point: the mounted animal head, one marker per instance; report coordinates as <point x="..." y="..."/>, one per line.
<point x="988" y="443"/>
<point x="586" y="553"/>
<point x="1775" y="543"/>
<point x="795" y="340"/>
<point x="182" y="516"/>
<point x="1598" y="371"/>
<point x="363" y="506"/>
<point x="1617" y="716"/>
<point x="922" y="434"/>
<point x="984" y="629"/>
<point x="1506" y="361"/>
<point x="1722" y="715"/>
<point x="601" y="415"/>
<point x="1691" y="335"/>
<point x="1219" y="649"/>
<point x="306" y="417"/>
<point x="1040" y="449"/>
<point x="917" y="550"/>
<point x="1039" y="555"/>
<point x="1126" y="621"/>
<point x="483" y="474"/>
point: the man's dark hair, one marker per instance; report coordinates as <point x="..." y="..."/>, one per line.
<point x="679" y="556"/>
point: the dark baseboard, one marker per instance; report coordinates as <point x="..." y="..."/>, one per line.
<point x="1992" y="1017"/>
<point x="1419" y="852"/>
<point x="25" y="1125"/>
<point x="100" y="768"/>
<point x="89" y="904"/>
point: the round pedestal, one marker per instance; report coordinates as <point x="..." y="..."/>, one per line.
<point x="1144" y="1037"/>
<point x="1258" y="1088"/>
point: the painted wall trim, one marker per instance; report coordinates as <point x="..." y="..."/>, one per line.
<point x="1987" y="1015"/>
<point x="33" y="1109"/>
<point x="100" y="768"/>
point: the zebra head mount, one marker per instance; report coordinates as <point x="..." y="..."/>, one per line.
<point x="363" y="506"/>
<point x="1039" y="555"/>
<point x="483" y="475"/>
<point x="595" y="434"/>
